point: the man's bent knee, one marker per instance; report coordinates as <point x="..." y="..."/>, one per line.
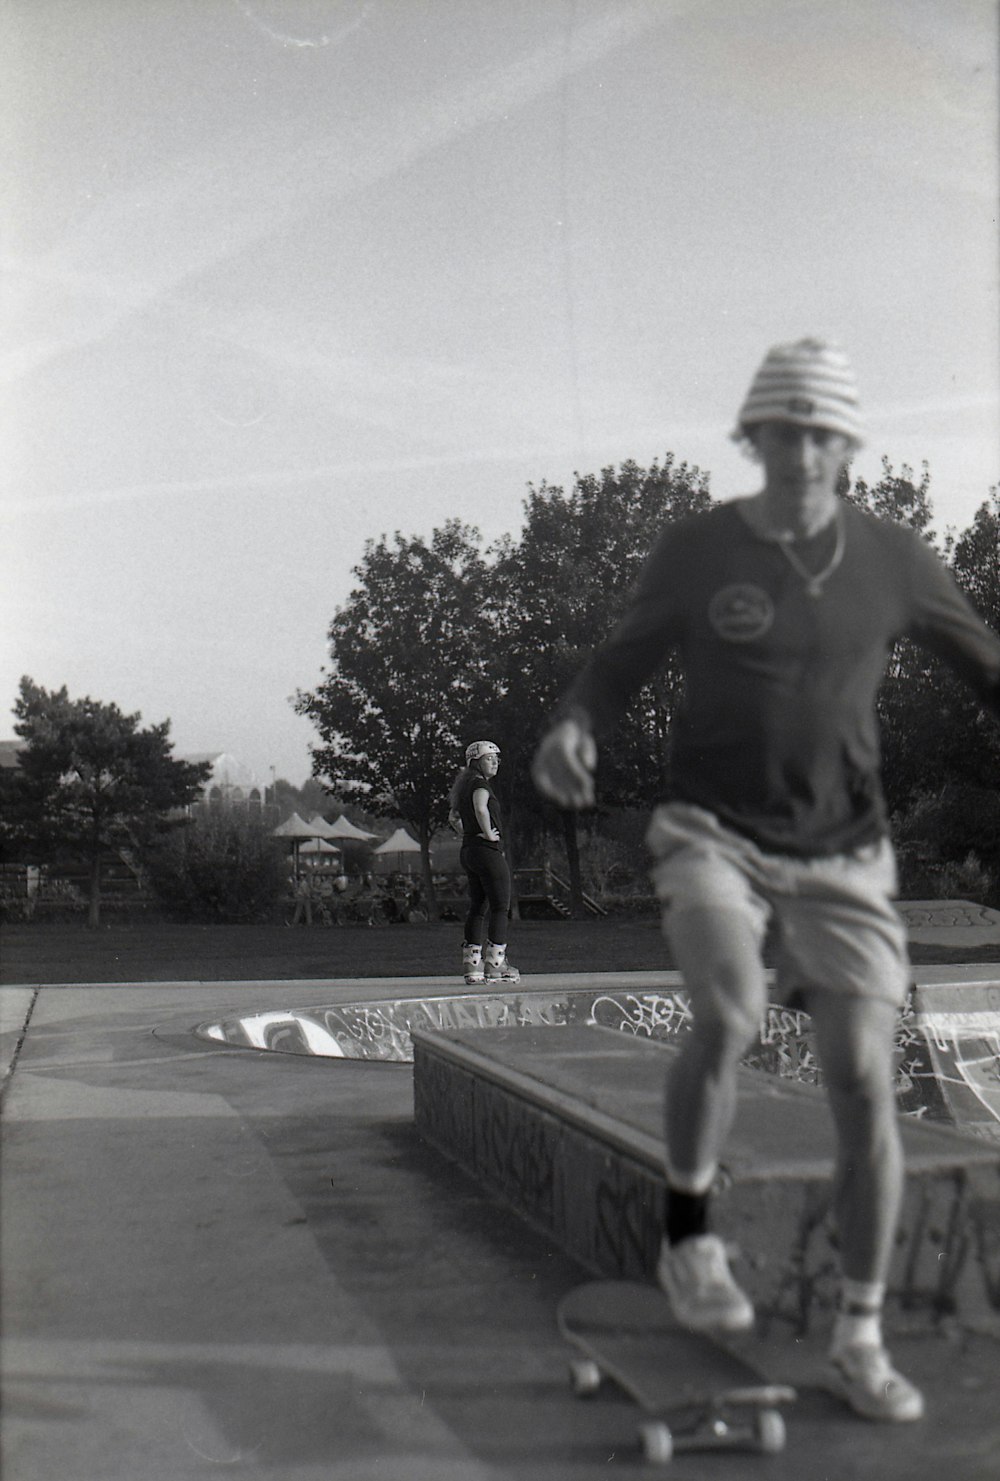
<point x="854" y="1040"/>
<point x="718" y="955"/>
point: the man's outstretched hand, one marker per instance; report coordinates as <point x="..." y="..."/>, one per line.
<point x="564" y="764"/>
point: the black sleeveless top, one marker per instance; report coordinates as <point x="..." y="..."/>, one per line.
<point x="471" y="831"/>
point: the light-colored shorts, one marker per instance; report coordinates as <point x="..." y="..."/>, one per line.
<point x="837" y="928"/>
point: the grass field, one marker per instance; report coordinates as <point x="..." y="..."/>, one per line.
<point x="146" y="952"/>
<point x="177" y="953"/>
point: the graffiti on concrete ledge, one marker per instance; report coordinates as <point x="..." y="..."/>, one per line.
<point x="606" y="1209"/>
<point x="947" y="1063"/>
<point x="382" y="1030"/>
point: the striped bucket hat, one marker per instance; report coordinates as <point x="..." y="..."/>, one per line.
<point x="810" y="383"/>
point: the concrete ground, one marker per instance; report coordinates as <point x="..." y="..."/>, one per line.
<point x="222" y="1262"/>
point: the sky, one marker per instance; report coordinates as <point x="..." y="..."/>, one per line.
<point x="283" y="276"/>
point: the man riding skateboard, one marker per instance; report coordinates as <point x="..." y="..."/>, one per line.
<point x="783" y="608"/>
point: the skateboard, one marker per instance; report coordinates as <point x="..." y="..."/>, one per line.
<point x="698" y="1394"/>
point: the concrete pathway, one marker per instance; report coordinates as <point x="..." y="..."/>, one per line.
<point x="222" y="1262"/>
<point x="953" y="923"/>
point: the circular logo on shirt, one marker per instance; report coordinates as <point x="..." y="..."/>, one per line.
<point x="741" y="613"/>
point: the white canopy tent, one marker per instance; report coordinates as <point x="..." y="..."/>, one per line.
<point x="294" y="827"/>
<point x="399" y="853"/>
<point x="319" y="846"/>
<point x="344" y="828"/>
<point x="320" y="827"/>
<point x="297" y="829"/>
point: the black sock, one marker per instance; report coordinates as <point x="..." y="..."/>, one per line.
<point x="687" y="1215"/>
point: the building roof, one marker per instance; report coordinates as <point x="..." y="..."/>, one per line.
<point x="227" y="771"/>
<point x="8" y="752"/>
<point x="400" y="842"/>
<point x="342" y="827"/>
<point x="294" y="827"/>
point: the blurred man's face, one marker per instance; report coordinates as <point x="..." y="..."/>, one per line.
<point x="802" y="464"/>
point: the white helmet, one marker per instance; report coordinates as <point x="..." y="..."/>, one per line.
<point x="480" y="748"/>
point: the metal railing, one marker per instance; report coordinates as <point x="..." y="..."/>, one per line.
<point x="551" y="884"/>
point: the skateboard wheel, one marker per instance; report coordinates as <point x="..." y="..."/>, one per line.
<point x="769" y="1428"/>
<point x="657" y="1443"/>
<point x="585" y="1376"/>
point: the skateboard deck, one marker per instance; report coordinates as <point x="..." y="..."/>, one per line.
<point x="698" y="1394"/>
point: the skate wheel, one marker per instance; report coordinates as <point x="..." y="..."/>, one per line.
<point x="657" y="1443"/>
<point x="769" y="1430"/>
<point x="585" y="1377"/>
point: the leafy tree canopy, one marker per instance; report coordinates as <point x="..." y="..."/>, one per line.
<point x="562" y="587"/>
<point x="224" y="867"/>
<point x="439" y="642"/>
<point x="90" y="779"/>
<point x="937" y="742"/>
<point x="896" y="496"/>
<point x="976" y="559"/>
<point x="410" y="661"/>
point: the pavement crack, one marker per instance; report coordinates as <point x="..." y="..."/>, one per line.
<point x="9" y="1070"/>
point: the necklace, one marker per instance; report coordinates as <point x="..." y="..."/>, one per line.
<point x="814" y="580"/>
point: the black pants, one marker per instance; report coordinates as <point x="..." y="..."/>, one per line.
<point x="489" y="892"/>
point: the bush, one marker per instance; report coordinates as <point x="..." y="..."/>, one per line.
<point x="948" y="845"/>
<point x="633" y="906"/>
<point x="15" y="903"/>
<point x="967" y="880"/>
<point x="610" y="866"/>
<point x="219" y="868"/>
<point x="56" y="899"/>
<point x="952" y="822"/>
<point x="924" y="875"/>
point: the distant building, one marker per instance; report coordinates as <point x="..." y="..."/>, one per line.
<point x="8" y="753"/>
<point x="231" y="783"/>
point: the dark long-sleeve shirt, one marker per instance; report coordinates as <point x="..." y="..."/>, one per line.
<point x="777" y="732"/>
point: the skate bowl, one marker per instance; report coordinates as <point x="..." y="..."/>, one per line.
<point x="947" y="1039"/>
<point x="550" y="1096"/>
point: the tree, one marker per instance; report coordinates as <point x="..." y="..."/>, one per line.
<point x="976" y="559"/>
<point x="224" y="867"/>
<point x="949" y="746"/>
<point x="940" y="751"/>
<point x="311" y="798"/>
<point x="411" y="660"/>
<point x="932" y="726"/>
<point x="90" y="781"/>
<point x="559" y="591"/>
<point x="895" y="496"/>
<point x="906" y="695"/>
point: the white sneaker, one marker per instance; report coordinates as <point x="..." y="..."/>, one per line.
<point x="863" y="1376"/>
<point x="695" y="1276"/>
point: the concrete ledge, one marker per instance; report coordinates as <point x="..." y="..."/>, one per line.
<point x="565" y="1125"/>
<point x="955" y="923"/>
<point x="959" y="1026"/>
